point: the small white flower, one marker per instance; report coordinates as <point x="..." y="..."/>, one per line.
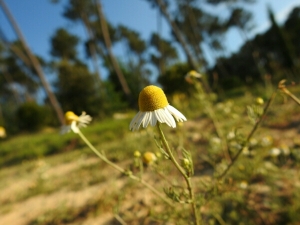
<point x="154" y="106"/>
<point x="74" y="122"/>
<point x="275" y="152"/>
<point x="243" y="184"/>
<point x="215" y="141"/>
<point x="231" y="135"/>
<point x="266" y="141"/>
<point x="253" y="142"/>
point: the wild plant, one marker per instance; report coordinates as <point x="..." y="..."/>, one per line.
<point x="223" y="152"/>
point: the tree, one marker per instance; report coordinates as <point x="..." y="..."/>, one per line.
<point x="76" y="90"/>
<point x="17" y="81"/>
<point x="134" y="43"/>
<point x="173" y="81"/>
<point x="163" y="7"/>
<point x="64" y="45"/>
<point x="84" y="11"/>
<point x="165" y="54"/>
<point x="35" y="63"/>
<point x="134" y="66"/>
<point x="75" y="84"/>
<point x="107" y="41"/>
<point x="284" y="44"/>
<point x="199" y="27"/>
<point x="292" y="29"/>
<point x="272" y="58"/>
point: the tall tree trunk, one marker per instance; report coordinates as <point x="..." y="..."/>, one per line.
<point x="161" y="67"/>
<point x="177" y="33"/>
<point x="197" y="38"/>
<point x="35" y="63"/>
<point x="92" y="48"/>
<point x="107" y="41"/>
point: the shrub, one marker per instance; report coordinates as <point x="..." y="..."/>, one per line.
<point x="31" y="116"/>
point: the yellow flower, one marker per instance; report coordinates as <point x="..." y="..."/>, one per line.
<point x="137" y="154"/>
<point x="74" y="122"/>
<point x="192" y="75"/>
<point x="70" y="117"/>
<point x="154" y="106"/>
<point x="259" y="101"/>
<point x="149" y="158"/>
<point x="2" y="132"/>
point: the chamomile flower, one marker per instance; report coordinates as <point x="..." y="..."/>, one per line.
<point x="154" y="106"/>
<point x="2" y="132"/>
<point x="149" y="158"/>
<point x="74" y="122"/>
<point x="190" y="76"/>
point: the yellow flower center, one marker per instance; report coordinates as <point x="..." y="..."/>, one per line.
<point x="152" y="98"/>
<point x="70" y="117"/>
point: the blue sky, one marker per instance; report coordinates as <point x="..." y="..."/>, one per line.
<point x="38" y="19"/>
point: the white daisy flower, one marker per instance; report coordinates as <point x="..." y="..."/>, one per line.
<point x="74" y="122"/>
<point x="154" y="106"/>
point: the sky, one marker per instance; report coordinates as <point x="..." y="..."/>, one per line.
<point x="38" y="20"/>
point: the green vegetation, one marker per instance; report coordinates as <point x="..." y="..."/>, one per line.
<point x="77" y="187"/>
<point x="234" y="161"/>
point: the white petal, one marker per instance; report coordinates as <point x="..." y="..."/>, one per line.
<point x="146" y="119"/>
<point x="134" y="120"/>
<point x="169" y="118"/>
<point x="84" y="119"/>
<point x="140" y="120"/>
<point x="154" y="119"/>
<point x="158" y="113"/>
<point x="74" y="127"/>
<point x="178" y="115"/>
<point x="65" y="129"/>
<point x="164" y="115"/>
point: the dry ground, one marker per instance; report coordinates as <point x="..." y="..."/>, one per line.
<point x="83" y="190"/>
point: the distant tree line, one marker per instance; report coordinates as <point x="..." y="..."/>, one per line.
<point x="272" y="55"/>
<point x="79" y="87"/>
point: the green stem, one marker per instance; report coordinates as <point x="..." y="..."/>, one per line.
<point x="101" y="156"/>
<point x="183" y="173"/>
<point x="120" y="169"/>
<point x="211" y="114"/>
<point x="258" y="122"/>
<point x="286" y="91"/>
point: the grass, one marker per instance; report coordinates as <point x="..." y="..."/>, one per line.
<point x="63" y="182"/>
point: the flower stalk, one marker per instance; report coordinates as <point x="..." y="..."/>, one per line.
<point x="211" y="114"/>
<point x="283" y="88"/>
<point x="253" y="130"/>
<point x="186" y="177"/>
<point x="120" y="169"/>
